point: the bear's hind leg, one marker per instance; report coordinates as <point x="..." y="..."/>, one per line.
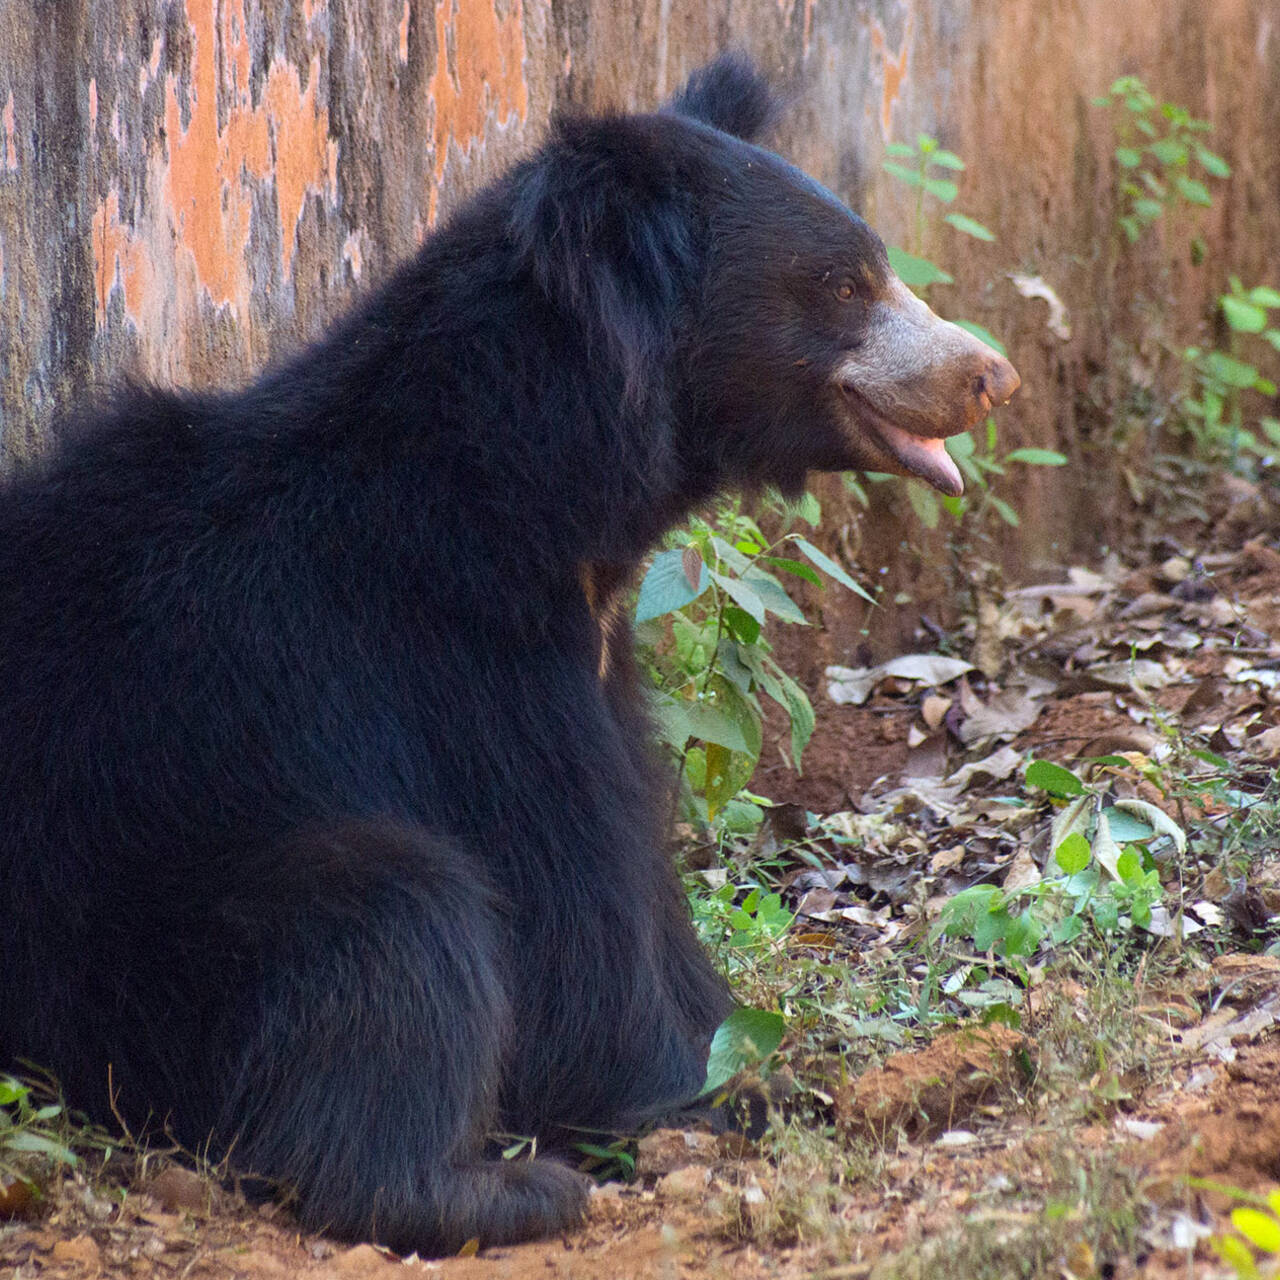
<point x="364" y="1052"/>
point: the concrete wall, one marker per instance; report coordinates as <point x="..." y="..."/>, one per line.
<point x="190" y="186"/>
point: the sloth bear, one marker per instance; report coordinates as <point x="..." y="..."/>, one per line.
<point x="329" y="833"/>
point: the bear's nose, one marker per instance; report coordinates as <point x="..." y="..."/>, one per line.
<point x="995" y="384"/>
<point x="1000" y="380"/>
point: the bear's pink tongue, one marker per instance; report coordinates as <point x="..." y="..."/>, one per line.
<point x="924" y="457"/>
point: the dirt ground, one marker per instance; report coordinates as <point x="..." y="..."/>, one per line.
<point x="955" y="1134"/>
<point x="687" y="1210"/>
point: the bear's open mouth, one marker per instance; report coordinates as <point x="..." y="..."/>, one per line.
<point x="923" y="456"/>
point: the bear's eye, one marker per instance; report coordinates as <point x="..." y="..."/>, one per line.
<point x="844" y="291"/>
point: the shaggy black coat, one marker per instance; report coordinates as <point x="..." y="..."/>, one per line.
<point x="323" y="839"/>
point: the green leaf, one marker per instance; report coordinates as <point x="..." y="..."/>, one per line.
<point x="1157" y="817"/>
<point x="983" y="335"/>
<point x="1073" y="816"/>
<point x="969" y="226"/>
<point x="1193" y="190"/>
<point x="1212" y="164"/>
<point x="1237" y="1255"/>
<point x="1005" y="512"/>
<point x="942" y="188"/>
<point x="721" y="783"/>
<point x="916" y="273"/>
<point x="773" y="596"/>
<point x="743" y="1040"/>
<point x="614" y="1156"/>
<point x="1243" y="316"/>
<point x="729" y="661"/>
<point x="1169" y="151"/>
<point x="991" y="928"/>
<point x="1054" y="779"/>
<point x="831" y="568"/>
<point x="1067" y="930"/>
<point x="741" y="624"/>
<point x="1129" y="866"/>
<point x="1264" y="296"/>
<point x="807" y="572"/>
<point x="732" y="556"/>
<point x="1235" y="373"/>
<point x="1037" y="457"/>
<point x="741" y="594"/>
<point x="946" y="159"/>
<point x="799" y="709"/>
<point x="1125" y="827"/>
<point x="680" y="720"/>
<point x="37" y="1144"/>
<point x="665" y="586"/>
<point x="743" y="710"/>
<point x="1128" y="157"/>
<point x="900" y="149"/>
<point x="11" y="1090"/>
<point x="1106" y="914"/>
<point x="1073" y="854"/>
<point x="909" y="176"/>
<point x="1260" y="1229"/>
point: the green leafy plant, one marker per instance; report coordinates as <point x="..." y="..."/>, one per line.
<point x="29" y="1129"/>
<point x="981" y="464"/>
<point x="924" y="167"/>
<point x="700" y="616"/>
<point x="1160" y="158"/>
<point x="1257" y="1219"/>
<point x="1215" y="409"/>
<point x="743" y="925"/>
<point x="1105" y="876"/>
<point x="609" y="1162"/>
<point x="745" y="1041"/>
<point x="925" y="170"/>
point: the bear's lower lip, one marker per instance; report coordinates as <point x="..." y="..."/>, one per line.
<point x="925" y="457"/>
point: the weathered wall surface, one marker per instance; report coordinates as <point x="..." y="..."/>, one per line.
<point x="190" y="186"/>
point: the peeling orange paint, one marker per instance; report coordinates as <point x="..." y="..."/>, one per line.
<point x="895" y="67"/>
<point x="93" y="109"/>
<point x="404" y="35"/>
<point x="479" y="71"/>
<point x="195" y="239"/>
<point x="10" y="134"/>
<point x="119" y="259"/>
<point x="305" y="158"/>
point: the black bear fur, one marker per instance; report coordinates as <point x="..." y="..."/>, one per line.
<point x="329" y="832"/>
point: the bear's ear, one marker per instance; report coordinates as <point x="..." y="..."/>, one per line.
<point x="729" y="94"/>
<point x="604" y="219"/>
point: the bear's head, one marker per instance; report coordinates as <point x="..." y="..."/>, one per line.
<point x="737" y="298"/>
<point x="811" y="353"/>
